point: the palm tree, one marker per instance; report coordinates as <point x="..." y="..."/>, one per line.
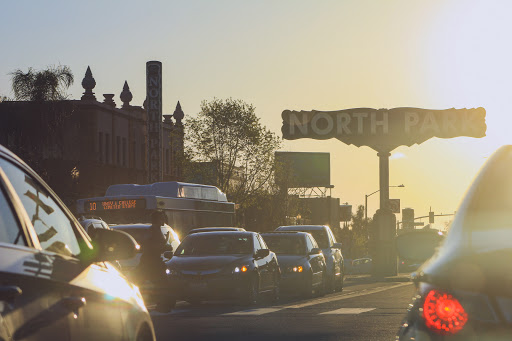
<point x="39" y="86"/>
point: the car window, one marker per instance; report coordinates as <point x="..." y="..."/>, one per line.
<point x="262" y="242"/>
<point x="309" y="244"/>
<point x="257" y="244"/>
<point x="51" y="224"/>
<point x="10" y="231"/>
<point x="329" y="237"/>
<point x="321" y="238"/>
<point x="209" y="244"/>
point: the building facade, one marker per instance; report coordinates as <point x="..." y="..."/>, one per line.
<point x="80" y="147"/>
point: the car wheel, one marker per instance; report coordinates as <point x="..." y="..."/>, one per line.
<point x="276" y="293"/>
<point x="165" y="305"/>
<point x="251" y="296"/>
<point x="308" y="286"/>
<point x="322" y="287"/>
<point x="194" y="301"/>
<point x="339" y="283"/>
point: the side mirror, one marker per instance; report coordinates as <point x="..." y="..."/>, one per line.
<point x="168" y="254"/>
<point x="337" y="246"/>
<point x="315" y="251"/>
<point x="112" y="245"/>
<point x="262" y="253"/>
<point x="168" y="247"/>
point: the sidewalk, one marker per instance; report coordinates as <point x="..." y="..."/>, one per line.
<point x="367" y="278"/>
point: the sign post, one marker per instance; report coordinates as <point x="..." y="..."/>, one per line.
<point x="154" y="124"/>
<point x="383" y="130"/>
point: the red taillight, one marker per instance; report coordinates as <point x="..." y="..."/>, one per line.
<point x="443" y="313"/>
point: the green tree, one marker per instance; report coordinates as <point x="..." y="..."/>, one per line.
<point x="39" y="86"/>
<point x="228" y="143"/>
<point x="355" y="235"/>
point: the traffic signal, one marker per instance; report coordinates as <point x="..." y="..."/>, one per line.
<point x="408" y="218"/>
<point x="430" y="217"/>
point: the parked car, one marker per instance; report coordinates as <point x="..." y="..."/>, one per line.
<point x="54" y="283"/>
<point x="464" y="290"/>
<point x="361" y="266"/>
<point x="215" y="229"/>
<point x="224" y="265"/>
<point x="331" y="250"/>
<point x="302" y="264"/>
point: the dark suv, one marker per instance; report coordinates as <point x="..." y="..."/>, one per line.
<point x="330" y="248"/>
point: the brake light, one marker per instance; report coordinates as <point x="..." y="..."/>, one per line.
<point x="443" y="313"/>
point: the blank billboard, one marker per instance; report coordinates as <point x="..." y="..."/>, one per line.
<point x="303" y="169"/>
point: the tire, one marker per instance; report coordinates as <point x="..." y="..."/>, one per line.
<point x="339" y="283"/>
<point x="251" y="296"/>
<point x="308" y="286"/>
<point x="276" y="293"/>
<point x="322" y="287"/>
<point x="194" y="301"/>
<point x="165" y="305"/>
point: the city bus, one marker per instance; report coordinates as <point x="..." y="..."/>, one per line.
<point x="187" y="206"/>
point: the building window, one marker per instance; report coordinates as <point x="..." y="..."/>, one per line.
<point x="100" y="147"/>
<point x="118" y="150"/>
<point x="124" y="152"/>
<point x="107" y="148"/>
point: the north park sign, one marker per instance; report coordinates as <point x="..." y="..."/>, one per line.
<point x="383" y="129"/>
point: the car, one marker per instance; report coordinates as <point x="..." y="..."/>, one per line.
<point x="331" y="250"/>
<point x="463" y="292"/>
<point x="224" y="265"/>
<point x="55" y="285"/>
<point x="90" y="223"/>
<point x="215" y="229"/>
<point x="141" y="233"/>
<point x="361" y="266"/>
<point x="302" y="264"/>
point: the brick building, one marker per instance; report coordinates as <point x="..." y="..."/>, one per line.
<point x="80" y="147"/>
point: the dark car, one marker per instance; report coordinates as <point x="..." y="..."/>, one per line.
<point x="302" y="263"/>
<point x="330" y="248"/>
<point x="464" y="292"/>
<point x="219" y="265"/>
<point x="54" y="284"/>
<point x="215" y="229"/>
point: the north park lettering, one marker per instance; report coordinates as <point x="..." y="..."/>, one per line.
<point x="388" y="128"/>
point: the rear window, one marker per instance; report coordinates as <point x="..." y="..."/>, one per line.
<point x="286" y="245"/>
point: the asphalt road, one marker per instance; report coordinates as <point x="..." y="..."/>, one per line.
<point x="365" y="310"/>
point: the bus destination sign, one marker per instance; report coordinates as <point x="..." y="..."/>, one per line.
<point x="109" y="205"/>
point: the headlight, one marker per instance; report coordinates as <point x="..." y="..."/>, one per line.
<point x="295" y="269"/>
<point x="240" y="269"/>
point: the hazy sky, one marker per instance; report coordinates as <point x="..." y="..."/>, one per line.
<point x="298" y="55"/>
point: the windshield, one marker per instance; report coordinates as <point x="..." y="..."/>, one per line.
<point x="214" y="244"/>
<point x="285" y="244"/>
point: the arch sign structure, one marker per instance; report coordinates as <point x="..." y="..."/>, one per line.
<point x="383" y="130"/>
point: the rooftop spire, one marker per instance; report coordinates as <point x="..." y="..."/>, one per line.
<point x="88" y="83"/>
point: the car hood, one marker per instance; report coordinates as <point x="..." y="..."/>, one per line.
<point x="290" y="260"/>
<point x="199" y="263"/>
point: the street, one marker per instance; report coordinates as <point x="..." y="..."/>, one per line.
<point x="365" y="310"/>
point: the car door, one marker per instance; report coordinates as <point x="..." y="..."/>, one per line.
<point x="83" y="297"/>
<point x="262" y="264"/>
<point x="31" y="306"/>
<point x="338" y="258"/>
<point x="316" y="261"/>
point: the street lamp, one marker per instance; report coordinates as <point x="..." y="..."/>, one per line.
<point x="366" y="202"/>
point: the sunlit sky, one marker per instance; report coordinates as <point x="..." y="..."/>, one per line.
<point x="297" y="55"/>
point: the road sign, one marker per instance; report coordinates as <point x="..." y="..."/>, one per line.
<point x="394" y="205"/>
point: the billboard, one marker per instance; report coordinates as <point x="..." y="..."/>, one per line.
<point x="303" y="169"/>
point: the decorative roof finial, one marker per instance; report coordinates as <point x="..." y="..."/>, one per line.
<point x="126" y="95"/>
<point x="88" y="83"/>
<point x="178" y="114"/>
